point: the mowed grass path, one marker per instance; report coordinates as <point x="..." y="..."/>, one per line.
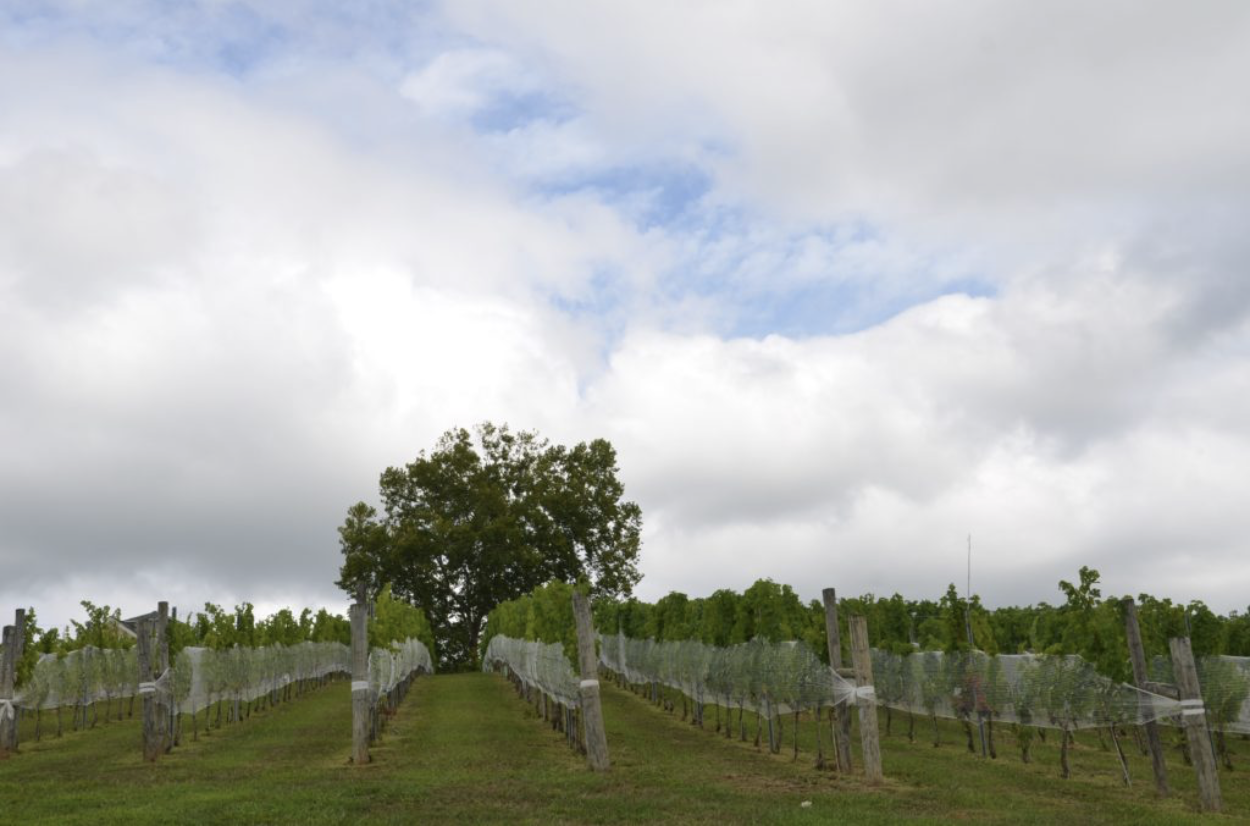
<point x="465" y="749"/>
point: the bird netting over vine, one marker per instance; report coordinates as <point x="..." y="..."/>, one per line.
<point x="1225" y="683"/>
<point x="388" y="667"/>
<point x="537" y="664"/>
<point x="1051" y="691"/>
<point x="773" y="678"/>
<point x="1054" y="691"/>
<point x="81" y="677"/>
<point x="198" y="677"/>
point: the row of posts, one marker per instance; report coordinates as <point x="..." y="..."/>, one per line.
<point x="1186" y="689"/>
<point x="153" y="661"/>
<point x="861" y="671"/>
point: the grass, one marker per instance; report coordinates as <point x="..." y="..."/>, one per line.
<point x="464" y="748"/>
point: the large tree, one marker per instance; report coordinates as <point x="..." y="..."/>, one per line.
<point x="486" y="517"/>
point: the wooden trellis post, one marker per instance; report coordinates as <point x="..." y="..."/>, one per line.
<point x="1137" y="655"/>
<point x="147" y="690"/>
<point x="160" y="657"/>
<point x="360" y="678"/>
<point x="592" y="710"/>
<point x="870" y="742"/>
<point x="1194" y="719"/>
<point x="839" y="717"/>
<point x="14" y="639"/>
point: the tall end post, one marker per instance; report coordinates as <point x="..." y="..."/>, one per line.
<point x="592" y="708"/>
<point x="1194" y="719"/>
<point x="8" y="679"/>
<point x="1137" y="656"/>
<point x="147" y="690"/>
<point x="360" y="677"/>
<point x="862" y="660"/>
<point x="839" y="717"/>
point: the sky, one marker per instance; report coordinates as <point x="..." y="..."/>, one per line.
<point x="843" y="283"/>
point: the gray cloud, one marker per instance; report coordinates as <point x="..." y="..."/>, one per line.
<point x="226" y="303"/>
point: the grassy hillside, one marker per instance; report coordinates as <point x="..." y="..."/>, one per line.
<point x="464" y="748"/>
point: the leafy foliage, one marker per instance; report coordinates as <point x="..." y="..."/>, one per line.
<point x="488" y="517"/>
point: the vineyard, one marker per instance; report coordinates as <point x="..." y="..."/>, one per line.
<point x="781" y="729"/>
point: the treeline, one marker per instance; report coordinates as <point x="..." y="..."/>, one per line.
<point x="1085" y="623"/>
<point x="393" y="620"/>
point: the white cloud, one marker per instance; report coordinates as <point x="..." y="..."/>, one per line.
<point x="1060" y="434"/>
<point x="226" y="303"/>
<point x="459" y="83"/>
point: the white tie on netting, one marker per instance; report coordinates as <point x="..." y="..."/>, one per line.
<point x="540" y="665"/>
<point x="774" y="678"/>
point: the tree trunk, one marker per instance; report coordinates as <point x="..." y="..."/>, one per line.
<point x="1063" y="755"/>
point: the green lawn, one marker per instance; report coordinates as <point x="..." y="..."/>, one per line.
<point x="464" y="748"/>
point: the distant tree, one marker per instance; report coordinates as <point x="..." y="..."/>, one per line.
<point x="487" y="517"/>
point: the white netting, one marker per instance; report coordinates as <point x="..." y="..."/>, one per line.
<point x="1225" y="684"/>
<point x="199" y="677"/>
<point x="81" y="677"/>
<point x="202" y="676"/>
<point x="537" y="664"/>
<point x="1051" y="691"/>
<point x="388" y="667"/>
<point x="777" y="678"/>
<point x="773" y="678"/>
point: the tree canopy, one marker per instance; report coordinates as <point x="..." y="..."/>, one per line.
<point x="486" y="517"/>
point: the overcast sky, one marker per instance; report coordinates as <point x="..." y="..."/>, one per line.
<point x="842" y="282"/>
